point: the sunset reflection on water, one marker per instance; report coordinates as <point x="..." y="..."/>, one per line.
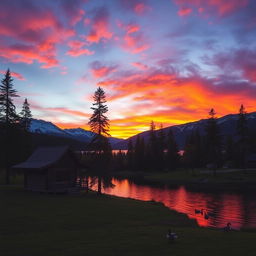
<point x="217" y="208"/>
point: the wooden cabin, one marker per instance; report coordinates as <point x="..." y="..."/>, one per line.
<point x="250" y="161"/>
<point x="50" y="169"/>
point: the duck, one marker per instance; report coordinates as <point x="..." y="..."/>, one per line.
<point x="197" y="211"/>
<point x="210" y="214"/>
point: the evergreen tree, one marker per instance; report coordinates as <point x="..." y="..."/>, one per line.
<point x="99" y="124"/>
<point x="130" y="155"/>
<point x="7" y="108"/>
<point x="192" y="151"/>
<point x="213" y="141"/>
<point x="8" y="120"/>
<point x="172" y="156"/>
<point x="242" y="132"/>
<point x="139" y="154"/>
<point x="230" y="151"/>
<point x="161" y="148"/>
<point x="152" y="149"/>
<point x="25" y="115"/>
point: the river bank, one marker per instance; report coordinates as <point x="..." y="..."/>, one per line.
<point x="47" y="225"/>
<point x="221" y="180"/>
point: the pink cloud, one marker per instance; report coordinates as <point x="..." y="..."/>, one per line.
<point x="69" y="111"/>
<point x="220" y="7"/>
<point x="140" y="65"/>
<point x="184" y="11"/>
<point x="76" y="49"/>
<point x="28" y="54"/>
<point x="73" y="10"/>
<point x="141" y="8"/>
<point x="134" y="40"/>
<point x="14" y="74"/>
<point x="100" y="26"/>
<point x="99" y="70"/>
<point x="36" y="31"/>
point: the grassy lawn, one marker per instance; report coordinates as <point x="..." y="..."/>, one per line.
<point x="186" y="176"/>
<point x="58" y="225"/>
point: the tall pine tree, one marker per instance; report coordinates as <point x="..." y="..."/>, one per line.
<point x="152" y="149"/>
<point x="213" y="141"/>
<point x="8" y="118"/>
<point x="25" y="115"/>
<point x="99" y="124"/>
<point x="172" y="156"/>
<point x="242" y="133"/>
<point x="161" y="145"/>
<point x="7" y="108"/>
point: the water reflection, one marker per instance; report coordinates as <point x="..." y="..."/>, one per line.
<point x="217" y="209"/>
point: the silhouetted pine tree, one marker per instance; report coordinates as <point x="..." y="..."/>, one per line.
<point x="99" y="124"/>
<point x="139" y="154"/>
<point x="213" y="141"/>
<point x="172" y="156"/>
<point x="130" y="155"/>
<point x="230" y="151"/>
<point x="161" y="145"/>
<point x="8" y="118"/>
<point x="193" y="151"/>
<point x="152" y="149"/>
<point x="25" y="115"/>
<point x="7" y="108"/>
<point x="242" y="133"/>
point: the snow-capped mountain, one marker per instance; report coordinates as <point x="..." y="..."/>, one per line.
<point x="44" y="127"/>
<point x="78" y="134"/>
<point x="227" y="125"/>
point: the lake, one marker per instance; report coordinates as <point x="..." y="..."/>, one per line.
<point x="217" y="208"/>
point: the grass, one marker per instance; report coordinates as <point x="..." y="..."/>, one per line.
<point x="188" y="176"/>
<point x="49" y="225"/>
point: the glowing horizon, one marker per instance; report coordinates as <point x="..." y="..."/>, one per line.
<point x="166" y="61"/>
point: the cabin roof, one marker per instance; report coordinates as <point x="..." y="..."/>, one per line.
<point x="43" y="157"/>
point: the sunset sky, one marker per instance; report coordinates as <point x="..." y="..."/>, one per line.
<point x="164" y="60"/>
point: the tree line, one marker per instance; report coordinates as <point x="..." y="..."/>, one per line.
<point x="14" y="127"/>
<point x="209" y="149"/>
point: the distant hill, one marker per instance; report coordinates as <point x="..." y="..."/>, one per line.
<point x="227" y="125"/>
<point x="77" y="136"/>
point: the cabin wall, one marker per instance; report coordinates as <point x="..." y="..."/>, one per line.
<point x="36" y="181"/>
<point x="59" y="177"/>
<point x="65" y="170"/>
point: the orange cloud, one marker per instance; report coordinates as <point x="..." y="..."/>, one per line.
<point x="170" y="99"/>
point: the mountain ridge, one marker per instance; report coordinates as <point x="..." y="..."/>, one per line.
<point x="226" y="123"/>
